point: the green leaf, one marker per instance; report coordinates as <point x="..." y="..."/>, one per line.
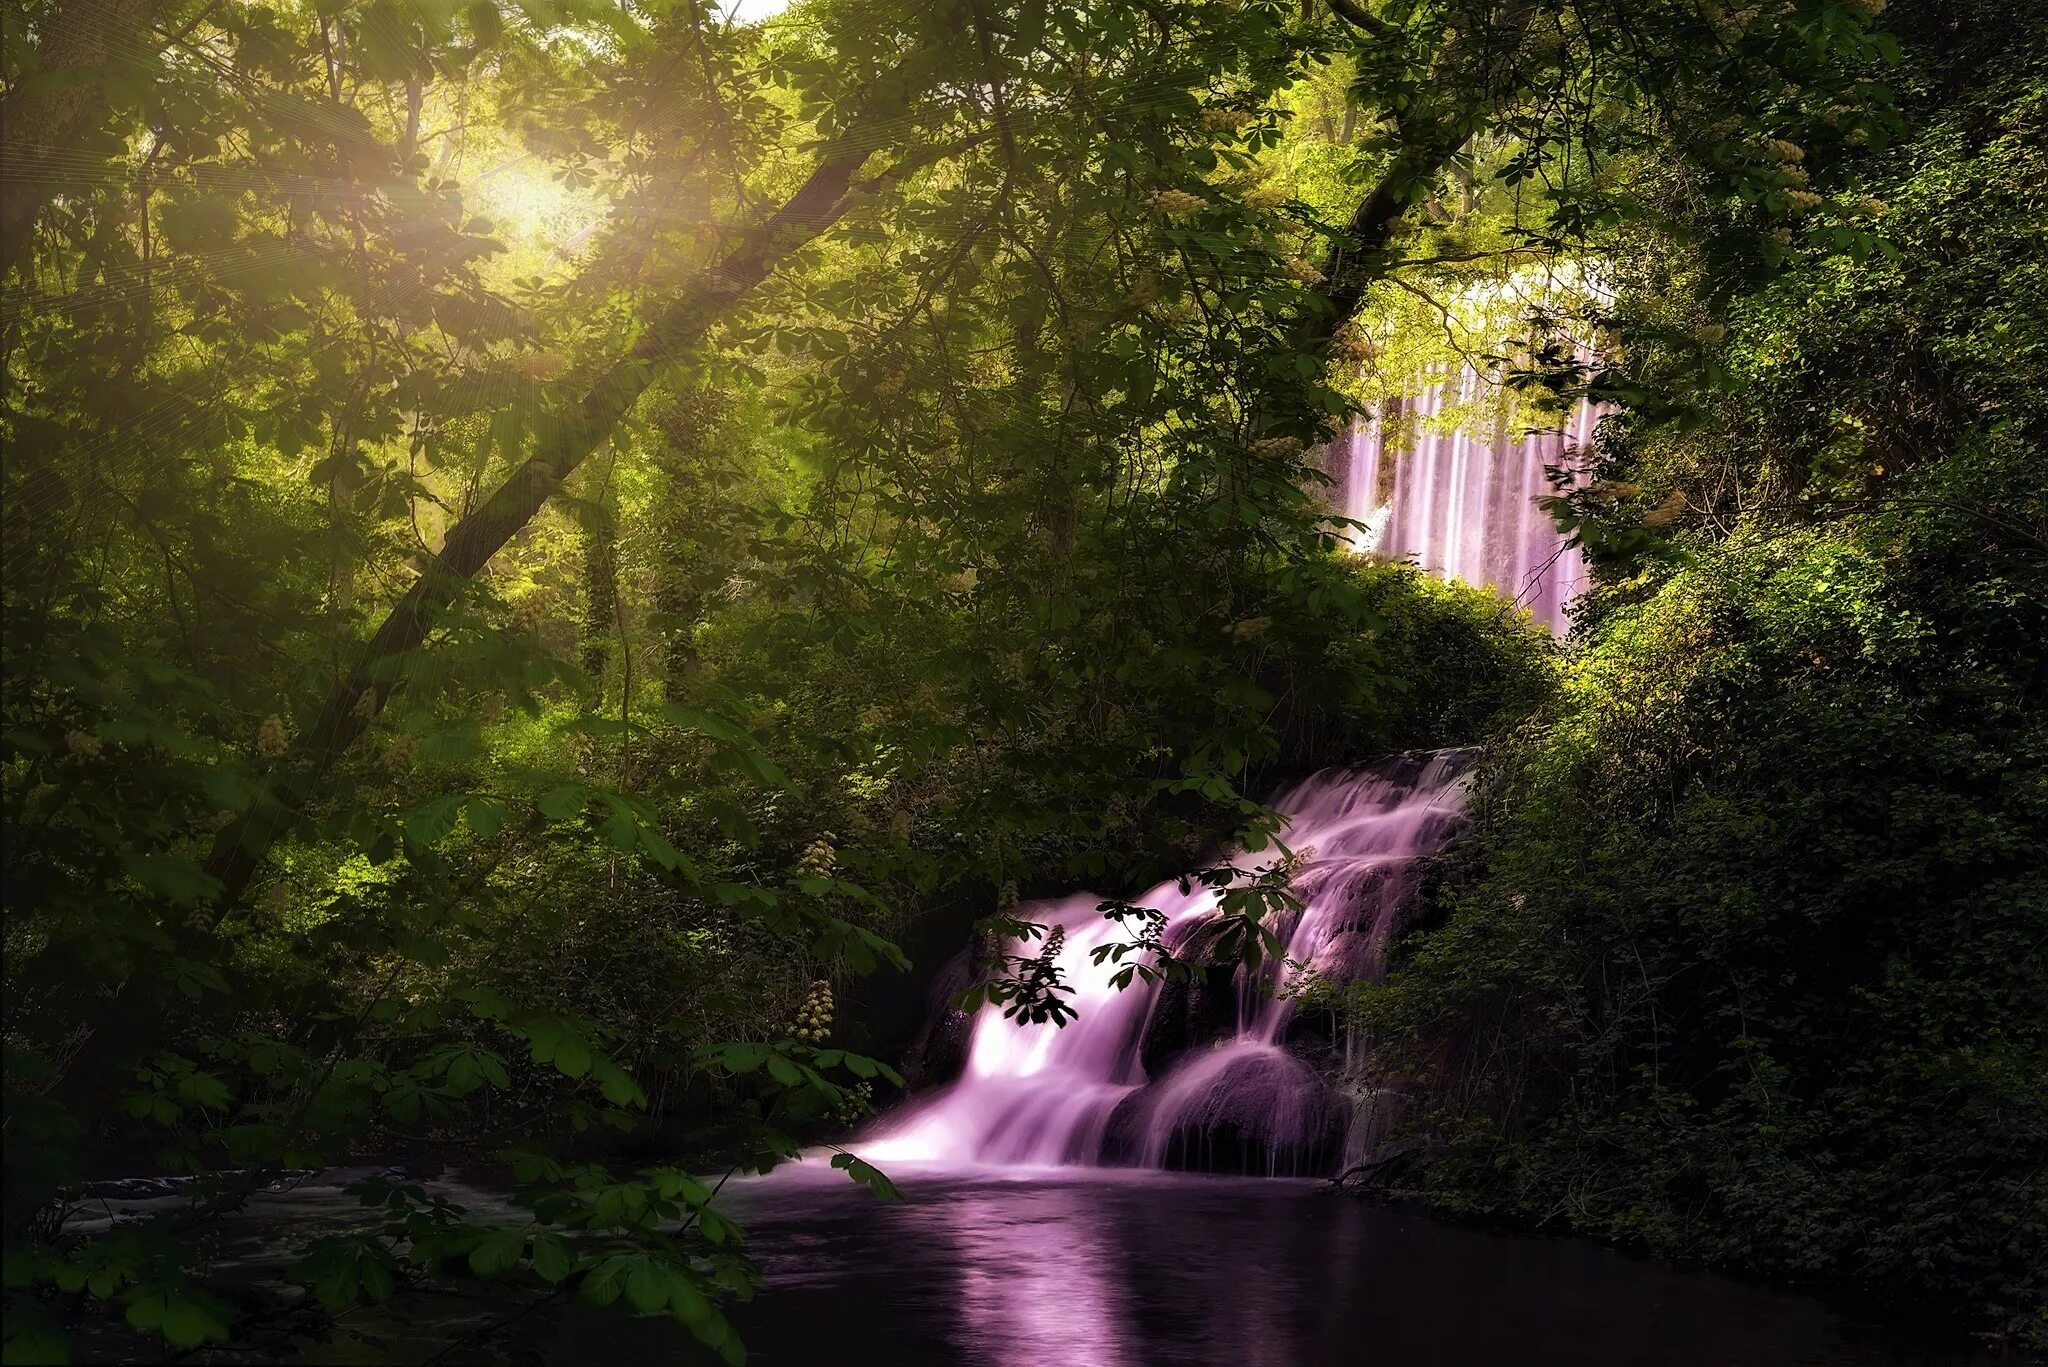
<point x="867" y="1175"/>
<point x="573" y="1057"/>
<point x="616" y="1084"/>
<point x="553" y="1258"/>
<point x="189" y="1322"/>
<point x="647" y="1287"/>
<point x="429" y="825"/>
<point x="146" y="1311"/>
<point x="33" y="1341"/>
<point x="740" y="1058"/>
<point x="607" y="1280"/>
<point x="499" y="1251"/>
<point x="485" y="815"/>
<point x="175" y="880"/>
<point x="565" y="803"/>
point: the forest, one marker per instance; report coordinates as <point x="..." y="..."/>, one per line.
<point x="594" y="591"/>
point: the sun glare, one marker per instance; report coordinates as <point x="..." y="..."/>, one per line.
<point x="535" y="213"/>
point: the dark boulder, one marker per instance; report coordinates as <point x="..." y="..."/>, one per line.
<point x="1240" y="1108"/>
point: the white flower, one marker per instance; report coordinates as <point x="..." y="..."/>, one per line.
<point x="1175" y="202"/>
<point x="1300" y="269"/>
<point x="271" y="739"/>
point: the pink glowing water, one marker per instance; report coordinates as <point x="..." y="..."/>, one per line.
<point x="1043" y="1095"/>
<point x="1463" y="504"/>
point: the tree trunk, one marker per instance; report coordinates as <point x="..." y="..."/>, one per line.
<point x="600" y="589"/>
<point x="125" y="1021"/>
<point x="54" y="104"/>
<point x="563" y="443"/>
<point x="1478" y="69"/>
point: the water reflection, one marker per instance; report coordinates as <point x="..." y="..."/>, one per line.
<point x="1164" y="1270"/>
<point x="1038" y="1282"/>
<point x="1138" y="1269"/>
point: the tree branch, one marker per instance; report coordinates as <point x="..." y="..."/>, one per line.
<point x="1355" y="14"/>
<point x="565" y="440"/>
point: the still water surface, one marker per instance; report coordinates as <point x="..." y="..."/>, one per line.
<point x="1153" y="1269"/>
<point x="1077" y="1268"/>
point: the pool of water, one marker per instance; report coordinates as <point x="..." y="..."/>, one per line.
<point x="1150" y="1269"/>
<point x="1081" y="1268"/>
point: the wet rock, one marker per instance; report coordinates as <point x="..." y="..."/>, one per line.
<point x="939" y="1054"/>
<point x="938" y="1051"/>
<point x="134" y="1188"/>
<point x="1240" y="1108"/>
<point x="1195" y="1011"/>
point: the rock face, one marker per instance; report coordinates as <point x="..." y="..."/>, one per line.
<point x="1236" y="1107"/>
<point x="938" y="1051"/>
<point x="1194" y="1012"/>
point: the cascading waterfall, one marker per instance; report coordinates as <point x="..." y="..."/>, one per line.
<point x="1462" y="503"/>
<point x="1082" y="1094"/>
<point x="1211" y="1073"/>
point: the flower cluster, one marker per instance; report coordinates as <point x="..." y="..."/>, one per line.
<point x="1666" y="512"/>
<point x="538" y="365"/>
<point x="1226" y="120"/>
<point x="1353" y="345"/>
<point x="1300" y="268"/>
<point x="1273" y="448"/>
<point x="855" y="1103"/>
<point x="1803" y="199"/>
<point x="1007" y="897"/>
<point x="1055" y="941"/>
<point x="82" y="745"/>
<point x="529" y="611"/>
<point x="399" y="755"/>
<point x="814" y="1018"/>
<point x="1269" y="196"/>
<point x="271" y="738"/>
<point x="819" y="857"/>
<point x="1786" y="150"/>
<point x="1175" y="202"/>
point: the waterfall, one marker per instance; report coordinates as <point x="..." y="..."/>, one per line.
<point x="1230" y="1093"/>
<point x="1461" y="503"/>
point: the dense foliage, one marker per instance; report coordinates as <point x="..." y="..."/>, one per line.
<point x="1748" y="963"/>
<point x="543" y="538"/>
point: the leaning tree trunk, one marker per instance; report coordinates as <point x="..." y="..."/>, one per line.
<point x="93" y="1076"/>
<point x="1479" y="73"/>
<point x="564" y="441"/>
